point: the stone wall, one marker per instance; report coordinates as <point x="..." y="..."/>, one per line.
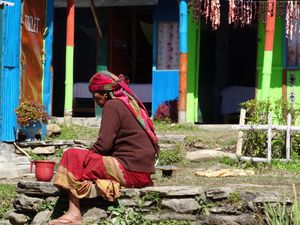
<point x="34" y="201"/>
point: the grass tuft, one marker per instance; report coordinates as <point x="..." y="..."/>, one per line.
<point x="7" y="194"/>
<point x="77" y="132"/>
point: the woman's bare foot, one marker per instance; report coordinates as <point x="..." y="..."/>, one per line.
<point x="73" y="215"/>
<point x="67" y="218"/>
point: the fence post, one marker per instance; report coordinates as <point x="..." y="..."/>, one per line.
<point x="269" y="153"/>
<point x="288" y="138"/>
<point x="239" y="144"/>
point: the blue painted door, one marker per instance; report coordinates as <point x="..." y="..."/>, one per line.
<point x="10" y="70"/>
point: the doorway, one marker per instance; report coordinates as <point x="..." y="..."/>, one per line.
<point x="227" y="71"/>
<point x="84" y="58"/>
<point x="130" y="48"/>
<point x="126" y="48"/>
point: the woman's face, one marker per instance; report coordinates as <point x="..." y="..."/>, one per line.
<point x="100" y="97"/>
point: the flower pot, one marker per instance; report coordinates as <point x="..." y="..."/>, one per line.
<point x="31" y="130"/>
<point x="43" y="169"/>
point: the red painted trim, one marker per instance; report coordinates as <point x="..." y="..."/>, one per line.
<point x="70" y="23"/>
<point x="270" y="25"/>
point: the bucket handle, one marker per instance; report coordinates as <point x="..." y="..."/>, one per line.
<point x="25" y="153"/>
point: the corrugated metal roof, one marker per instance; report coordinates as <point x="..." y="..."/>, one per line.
<point x="106" y="3"/>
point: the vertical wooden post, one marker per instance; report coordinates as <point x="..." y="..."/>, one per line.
<point x="288" y="138"/>
<point x="183" y="9"/>
<point x="239" y="144"/>
<point x="92" y="6"/>
<point x="69" y="61"/>
<point x="269" y="143"/>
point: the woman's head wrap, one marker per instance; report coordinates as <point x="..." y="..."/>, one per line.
<point x="104" y="81"/>
<point x="118" y="89"/>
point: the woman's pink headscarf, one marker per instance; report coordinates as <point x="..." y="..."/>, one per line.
<point x="106" y="81"/>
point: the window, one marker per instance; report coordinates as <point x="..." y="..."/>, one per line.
<point x="293" y="51"/>
<point x="168" y="46"/>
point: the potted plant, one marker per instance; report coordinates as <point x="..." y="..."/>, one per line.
<point x="30" y="116"/>
<point x="44" y="168"/>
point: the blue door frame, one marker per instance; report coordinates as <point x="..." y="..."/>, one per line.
<point x="1" y="44"/>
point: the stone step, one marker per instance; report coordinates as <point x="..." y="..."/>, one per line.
<point x="175" y="202"/>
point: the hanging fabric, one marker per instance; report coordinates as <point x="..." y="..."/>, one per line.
<point x="292" y="19"/>
<point x="215" y="14"/>
<point x="245" y="12"/>
<point x="242" y="12"/>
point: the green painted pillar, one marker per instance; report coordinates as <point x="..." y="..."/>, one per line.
<point x="193" y="114"/>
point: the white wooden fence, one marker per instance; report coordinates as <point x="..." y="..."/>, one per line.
<point x="269" y="127"/>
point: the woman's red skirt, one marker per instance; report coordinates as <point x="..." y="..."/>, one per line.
<point x="88" y="174"/>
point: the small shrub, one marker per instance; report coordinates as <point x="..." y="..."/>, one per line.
<point x="171" y="157"/>
<point x="168" y="111"/>
<point x="255" y="141"/>
<point x="295" y="212"/>
<point x="132" y="216"/>
<point x="46" y="205"/>
<point x="234" y="197"/>
<point x="277" y="214"/>
<point x="152" y="196"/>
<point x="281" y="214"/>
<point x="122" y="215"/>
<point x="204" y="205"/>
<point x="59" y="153"/>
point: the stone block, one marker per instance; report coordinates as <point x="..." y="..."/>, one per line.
<point x="37" y="188"/>
<point x="174" y="191"/>
<point x="181" y="205"/>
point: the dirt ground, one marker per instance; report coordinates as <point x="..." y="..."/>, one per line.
<point x="224" y="139"/>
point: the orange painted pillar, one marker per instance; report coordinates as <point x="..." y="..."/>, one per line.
<point x="183" y="60"/>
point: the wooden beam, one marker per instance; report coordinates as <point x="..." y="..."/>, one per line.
<point x="92" y="6"/>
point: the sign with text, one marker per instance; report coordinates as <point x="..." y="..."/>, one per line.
<point x="32" y="56"/>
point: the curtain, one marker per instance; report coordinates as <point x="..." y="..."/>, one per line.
<point x="168" y="46"/>
<point x="293" y="49"/>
